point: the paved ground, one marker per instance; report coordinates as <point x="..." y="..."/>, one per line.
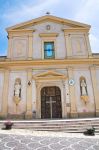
<point x="35" y="140"/>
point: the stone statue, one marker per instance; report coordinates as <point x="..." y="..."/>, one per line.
<point x="83" y="86"/>
<point x="17" y="89"/>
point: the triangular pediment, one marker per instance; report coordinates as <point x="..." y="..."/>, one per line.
<point x="49" y="74"/>
<point x="45" y="18"/>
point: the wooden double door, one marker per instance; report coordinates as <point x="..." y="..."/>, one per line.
<point x="51" y="102"/>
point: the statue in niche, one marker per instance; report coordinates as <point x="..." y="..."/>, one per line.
<point x="17" y="91"/>
<point x="83" y="87"/>
<point x="83" y="90"/>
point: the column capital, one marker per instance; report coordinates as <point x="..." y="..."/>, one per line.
<point x="10" y="36"/>
<point x="29" y="70"/>
<point x="31" y="34"/>
<point x="70" y="68"/>
<point x="67" y="34"/>
<point x="93" y="67"/>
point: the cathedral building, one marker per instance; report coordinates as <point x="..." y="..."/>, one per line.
<point x="49" y="71"/>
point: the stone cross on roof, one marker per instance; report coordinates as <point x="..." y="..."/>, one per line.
<point x="47" y="13"/>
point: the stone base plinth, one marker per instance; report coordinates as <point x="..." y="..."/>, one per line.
<point x="86" y="114"/>
<point x="97" y="113"/>
<point x="73" y="115"/>
<point x="16" y="116"/>
<point x="28" y="115"/>
<point x="3" y="116"/>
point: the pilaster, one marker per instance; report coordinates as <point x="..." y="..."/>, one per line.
<point x="68" y="45"/>
<point x="88" y="44"/>
<point x="30" y="46"/>
<point x="34" y="98"/>
<point x="9" y="55"/>
<point x="95" y="88"/>
<point x="63" y="98"/>
<point x="72" y="94"/>
<point x="38" y="99"/>
<point x="29" y="95"/>
<point x="63" y="94"/>
<point x="67" y="99"/>
<point x="5" y="94"/>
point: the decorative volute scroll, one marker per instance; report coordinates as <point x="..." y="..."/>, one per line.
<point x="83" y="90"/>
<point x="17" y="91"/>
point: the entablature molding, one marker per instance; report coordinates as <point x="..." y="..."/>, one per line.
<point x="89" y="61"/>
<point x="21" y="30"/>
<point x="75" y="30"/>
<point x="19" y="33"/>
<point x="48" y="34"/>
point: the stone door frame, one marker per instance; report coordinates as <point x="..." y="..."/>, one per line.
<point x="50" y="103"/>
<point x="44" y="83"/>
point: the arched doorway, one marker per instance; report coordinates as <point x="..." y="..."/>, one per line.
<point x="51" y="102"/>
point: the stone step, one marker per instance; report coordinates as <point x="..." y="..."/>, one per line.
<point x="59" y="129"/>
<point x="53" y="122"/>
<point x="72" y="125"/>
<point x="57" y="120"/>
<point x="58" y="124"/>
<point x="53" y="126"/>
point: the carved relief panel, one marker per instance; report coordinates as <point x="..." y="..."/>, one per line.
<point x="78" y="45"/>
<point x="20" y="46"/>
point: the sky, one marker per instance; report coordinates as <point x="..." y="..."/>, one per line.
<point x="16" y="11"/>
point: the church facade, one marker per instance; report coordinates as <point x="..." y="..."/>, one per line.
<point x="49" y="71"/>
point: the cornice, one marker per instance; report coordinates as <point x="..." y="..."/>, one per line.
<point x="48" y="17"/>
<point x="75" y="30"/>
<point x="85" y="61"/>
<point x="22" y="31"/>
<point x="48" y="34"/>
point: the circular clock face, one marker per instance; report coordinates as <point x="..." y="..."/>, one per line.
<point x="71" y="82"/>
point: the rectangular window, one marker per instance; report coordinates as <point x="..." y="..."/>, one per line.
<point x="49" y="52"/>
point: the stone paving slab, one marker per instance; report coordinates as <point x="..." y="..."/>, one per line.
<point x="35" y="140"/>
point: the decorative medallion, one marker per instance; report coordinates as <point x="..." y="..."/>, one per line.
<point x="71" y="82"/>
<point x="48" y="27"/>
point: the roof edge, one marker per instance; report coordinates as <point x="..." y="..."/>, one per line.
<point x="62" y="20"/>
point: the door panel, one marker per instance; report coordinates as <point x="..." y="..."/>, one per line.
<point x="51" y="102"/>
